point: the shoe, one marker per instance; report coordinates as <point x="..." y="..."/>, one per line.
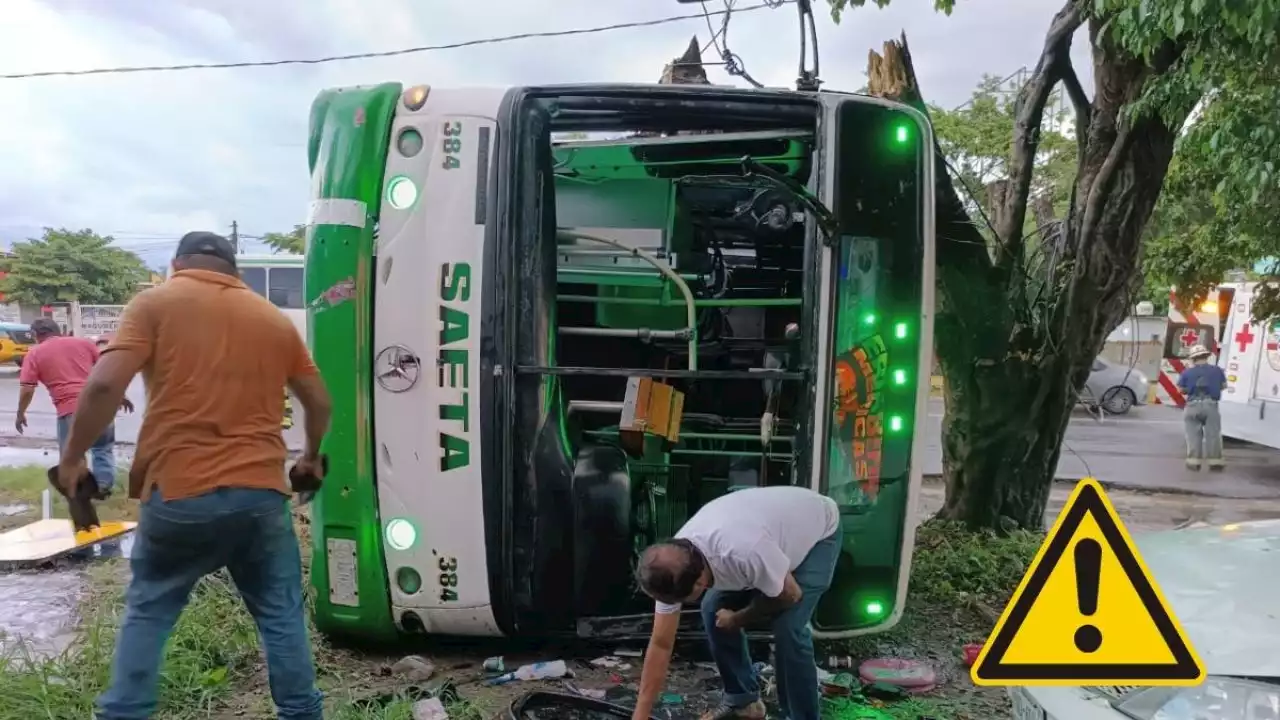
<point x="1193" y="465"/>
<point x="102" y="494"/>
<point x="751" y="711"/>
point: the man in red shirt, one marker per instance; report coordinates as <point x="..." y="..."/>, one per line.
<point x="62" y="364"/>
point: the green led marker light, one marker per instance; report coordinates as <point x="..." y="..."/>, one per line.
<point x="401" y="535"/>
<point x="869" y="319"/>
<point x="875" y="607"/>
<point x="900" y="331"/>
<point x="899" y="377"/>
<point x="401" y="193"/>
<point x="902" y="134"/>
<point x="895" y="423"/>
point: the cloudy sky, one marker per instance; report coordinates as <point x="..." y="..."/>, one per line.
<point x="149" y="156"/>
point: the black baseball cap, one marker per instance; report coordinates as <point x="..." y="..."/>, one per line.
<point x="207" y="243"/>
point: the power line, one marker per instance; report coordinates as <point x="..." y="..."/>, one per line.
<point x="766" y="5"/>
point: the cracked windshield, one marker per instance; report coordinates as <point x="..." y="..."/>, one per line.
<point x="681" y="360"/>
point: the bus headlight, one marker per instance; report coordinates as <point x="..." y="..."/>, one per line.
<point x="415" y="98"/>
<point x="401" y="534"/>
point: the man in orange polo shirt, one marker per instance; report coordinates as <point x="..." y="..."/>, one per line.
<point x="209" y="468"/>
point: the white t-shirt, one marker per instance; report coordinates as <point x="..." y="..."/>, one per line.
<point x="753" y="538"/>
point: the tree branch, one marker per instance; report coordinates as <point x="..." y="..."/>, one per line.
<point x="1079" y="100"/>
<point x="1026" y="129"/>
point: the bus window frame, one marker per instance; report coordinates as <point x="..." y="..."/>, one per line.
<point x="261" y="288"/>
<point x="271" y="288"/>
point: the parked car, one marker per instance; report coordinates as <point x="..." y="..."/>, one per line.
<point x="1115" y="388"/>
<point x="15" y="340"/>
<point x="1222" y="585"/>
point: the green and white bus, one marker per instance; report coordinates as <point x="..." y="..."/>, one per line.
<point x="278" y="278"/>
<point x="481" y="296"/>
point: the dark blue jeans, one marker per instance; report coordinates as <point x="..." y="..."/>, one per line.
<point x="796" y="670"/>
<point x="102" y="454"/>
<point x="248" y="532"/>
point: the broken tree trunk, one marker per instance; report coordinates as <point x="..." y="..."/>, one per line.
<point x="1013" y="347"/>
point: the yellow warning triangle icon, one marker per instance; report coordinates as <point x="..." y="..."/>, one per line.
<point x="1088" y="612"/>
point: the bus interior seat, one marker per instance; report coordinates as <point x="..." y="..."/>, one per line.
<point x="602" y="530"/>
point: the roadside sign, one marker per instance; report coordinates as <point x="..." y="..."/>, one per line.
<point x="1088" y="612"/>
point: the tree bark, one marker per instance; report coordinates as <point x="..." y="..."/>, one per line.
<point x="1015" y="342"/>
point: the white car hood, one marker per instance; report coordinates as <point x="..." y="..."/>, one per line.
<point x="1224" y="585"/>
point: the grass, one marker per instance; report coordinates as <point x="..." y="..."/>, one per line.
<point x="213" y="666"/>
<point x="960" y="581"/>
<point x="24" y="485"/>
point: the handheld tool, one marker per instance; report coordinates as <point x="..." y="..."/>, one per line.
<point x="84" y="516"/>
<point x="306" y="485"/>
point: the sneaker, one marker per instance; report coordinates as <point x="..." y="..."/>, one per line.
<point x="102" y="494"/>
<point x="752" y="711"/>
<point x="1193" y="465"/>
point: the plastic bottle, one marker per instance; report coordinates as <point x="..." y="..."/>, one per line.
<point x="534" y="671"/>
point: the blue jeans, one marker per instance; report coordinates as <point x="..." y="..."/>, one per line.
<point x="102" y="454"/>
<point x="796" y="670"/>
<point x="248" y="532"/>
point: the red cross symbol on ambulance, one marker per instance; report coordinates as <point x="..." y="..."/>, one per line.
<point x="1244" y="337"/>
<point x="1189" y="338"/>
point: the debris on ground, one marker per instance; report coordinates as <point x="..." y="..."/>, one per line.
<point x="611" y="662"/>
<point x="838" y="685"/>
<point x="414" y="668"/>
<point x="495" y="664"/>
<point x="841" y="662"/>
<point x="442" y="690"/>
<point x="912" y="676"/>
<point x="550" y="670"/>
<point x="430" y="709"/>
<point x="593" y="693"/>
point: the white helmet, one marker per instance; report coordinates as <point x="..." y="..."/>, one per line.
<point x="1199" y="351"/>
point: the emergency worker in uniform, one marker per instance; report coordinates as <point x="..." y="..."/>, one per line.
<point x="1202" y="385"/>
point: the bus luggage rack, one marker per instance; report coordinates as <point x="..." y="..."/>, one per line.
<point x="660" y="496"/>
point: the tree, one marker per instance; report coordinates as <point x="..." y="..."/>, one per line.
<point x="1020" y="319"/>
<point x="1221" y="204"/>
<point x="66" y="265"/>
<point x="294" y="241"/>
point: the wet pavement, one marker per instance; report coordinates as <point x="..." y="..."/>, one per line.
<point x="38" y="605"/>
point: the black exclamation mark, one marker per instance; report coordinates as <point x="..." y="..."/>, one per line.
<point x="1088" y="557"/>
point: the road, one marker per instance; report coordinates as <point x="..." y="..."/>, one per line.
<point x="1140" y="450"/>
<point x="1143" y="449"/>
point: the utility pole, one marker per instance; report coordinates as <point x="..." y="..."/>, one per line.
<point x="235" y="237"/>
